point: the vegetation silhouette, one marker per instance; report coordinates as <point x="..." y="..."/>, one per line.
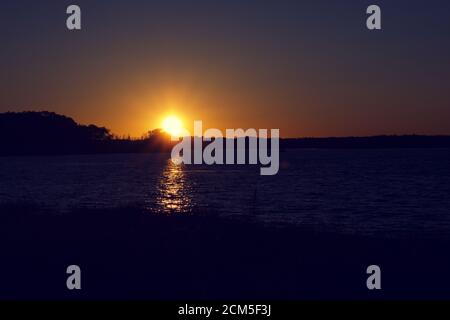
<point x="48" y="133"/>
<point x="35" y="133"/>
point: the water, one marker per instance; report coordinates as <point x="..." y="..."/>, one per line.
<point x="384" y="192"/>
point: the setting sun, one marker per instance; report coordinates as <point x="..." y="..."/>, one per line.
<point x="173" y="126"/>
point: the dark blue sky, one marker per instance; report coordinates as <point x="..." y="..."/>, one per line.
<point x="307" y="67"/>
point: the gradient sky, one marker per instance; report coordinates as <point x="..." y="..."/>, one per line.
<point x="310" y="68"/>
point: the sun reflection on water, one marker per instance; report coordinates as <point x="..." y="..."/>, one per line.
<point x="174" y="190"/>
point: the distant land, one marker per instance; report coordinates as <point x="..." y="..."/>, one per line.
<point x="48" y="133"/>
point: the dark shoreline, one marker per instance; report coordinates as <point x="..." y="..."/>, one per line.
<point x="128" y="254"/>
<point x="117" y="146"/>
<point x="48" y="133"/>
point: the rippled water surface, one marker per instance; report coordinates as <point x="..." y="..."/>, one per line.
<point x="362" y="191"/>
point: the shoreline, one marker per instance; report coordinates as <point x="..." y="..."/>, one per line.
<point x="129" y="255"/>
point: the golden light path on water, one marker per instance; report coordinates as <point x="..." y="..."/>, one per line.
<point x="174" y="190"/>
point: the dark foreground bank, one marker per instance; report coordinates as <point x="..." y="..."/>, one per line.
<point x="129" y="254"/>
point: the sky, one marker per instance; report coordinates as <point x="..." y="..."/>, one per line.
<point x="308" y="68"/>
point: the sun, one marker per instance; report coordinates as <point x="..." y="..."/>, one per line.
<point x="173" y="126"/>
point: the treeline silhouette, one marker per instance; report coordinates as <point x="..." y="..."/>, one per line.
<point x="36" y="133"/>
<point x="48" y="133"/>
<point x="383" y="141"/>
